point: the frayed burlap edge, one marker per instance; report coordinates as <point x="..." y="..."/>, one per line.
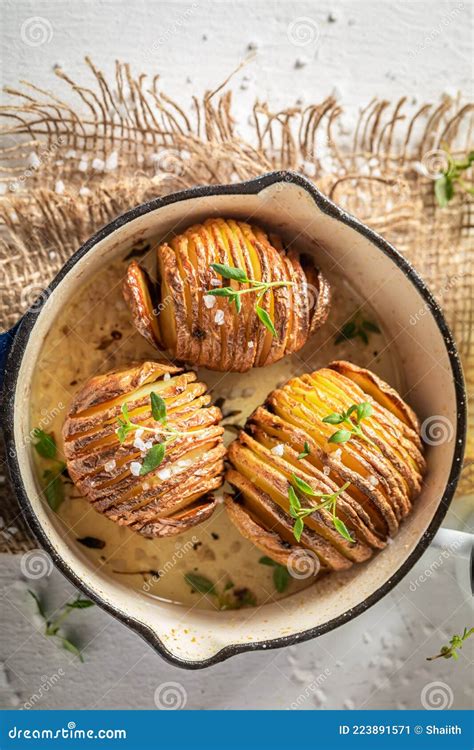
<point x="68" y="167"/>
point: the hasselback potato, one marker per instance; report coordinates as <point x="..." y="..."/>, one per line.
<point x="267" y="305"/>
<point x="144" y="446"/>
<point x="331" y="464"/>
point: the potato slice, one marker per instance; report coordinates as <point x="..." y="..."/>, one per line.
<point x="175" y="493"/>
<point x="210" y="331"/>
<point x="286" y="444"/>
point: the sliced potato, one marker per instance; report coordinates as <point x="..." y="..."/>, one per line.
<point x="175" y="493"/>
<point x="181" y="316"/>
<point x="360" y="488"/>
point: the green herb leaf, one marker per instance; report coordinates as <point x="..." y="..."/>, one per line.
<point x="370" y="326"/>
<point x="200" y="583"/>
<point x="80" y="604"/>
<point x="340" y="436"/>
<point x="362" y="335"/>
<point x="302" y="485"/>
<point x="265" y="560"/>
<point x="53" y="488"/>
<point x="158" y="407"/>
<point x="44" y="444"/>
<point x="455" y="644"/>
<point x="153" y="458"/>
<point x="334" y="418"/>
<point x="364" y="410"/>
<point x="227" y="272"/>
<point x="229" y="585"/>
<point x="444" y="190"/>
<point x="238" y="303"/>
<point x="266" y="320"/>
<point x="294" y="500"/>
<point x="342" y="529"/>
<point x="347" y="332"/>
<point x="305" y="452"/>
<point x="39" y="604"/>
<point x="298" y="529"/>
<point x="224" y="291"/>
<point x="281" y="578"/>
<point x="69" y="646"/>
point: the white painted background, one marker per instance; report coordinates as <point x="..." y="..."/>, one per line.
<point x="417" y="48"/>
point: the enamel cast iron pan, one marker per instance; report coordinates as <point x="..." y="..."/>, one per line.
<point x="292" y="206"/>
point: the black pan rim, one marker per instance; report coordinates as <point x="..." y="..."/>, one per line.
<point x="252" y="186"/>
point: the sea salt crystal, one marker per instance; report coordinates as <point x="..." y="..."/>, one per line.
<point x="85" y="191"/>
<point x="167" y="376"/>
<point x="139" y="443"/>
<point x="184" y="462"/>
<point x="278" y="450"/>
<point x="149" y="444"/>
<point x="59" y="187"/>
<point x="373" y="481"/>
<point x="135" y="468"/>
<point x="219" y="317"/>
<point x="111" y="162"/>
<point x="139" y="433"/>
<point x="250" y="344"/>
<point x="215" y="282"/>
<point x="337" y="454"/>
<point x="209" y="301"/>
<point x="98" y="165"/>
<point x="110" y="465"/>
<point x="164" y="474"/>
<point x="326" y="470"/>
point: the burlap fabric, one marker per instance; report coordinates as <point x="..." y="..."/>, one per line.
<point x="76" y="156"/>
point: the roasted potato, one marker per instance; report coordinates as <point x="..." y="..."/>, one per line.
<point x="184" y="315"/>
<point x="338" y="440"/>
<point x="145" y="447"/>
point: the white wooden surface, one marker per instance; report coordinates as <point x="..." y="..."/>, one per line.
<point x="303" y="51"/>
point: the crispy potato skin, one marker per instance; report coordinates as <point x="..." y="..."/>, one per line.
<point x="177" y="494"/>
<point x="384" y="467"/>
<point x="208" y="331"/>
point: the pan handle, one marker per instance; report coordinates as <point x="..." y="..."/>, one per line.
<point x="6" y="341"/>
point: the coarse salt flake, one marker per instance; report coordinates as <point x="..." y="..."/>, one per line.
<point x="135" y="468"/>
<point x="167" y="376"/>
<point x="139" y="443"/>
<point x="215" y="282"/>
<point x="250" y="344"/>
<point x="338" y="454"/>
<point x="326" y="470"/>
<point x="219" y="317"/>
<point x="373" y="481"/>
<point x="278" y="450"/>
<point x="209" y="301"/>
<point x="139" y="432"/>
<point x="164" y="474"/>
<point x="110" y="465"/>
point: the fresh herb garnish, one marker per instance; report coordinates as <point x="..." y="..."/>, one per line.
<point x="329" y="502"/>
<point x="53" y="625"/>
<point x="451" y="651"/>
<point x="234" y="295"/>
<point x="281" y="575"/>
<point x="166" y="434"/>
<point x="360" y="411"/>
<point x="444" y="186"/>
<point x="230" y="598"/>
<point x="53" y="488"/>
<point x="357" y="327"/>
<point x="305" y="452"/>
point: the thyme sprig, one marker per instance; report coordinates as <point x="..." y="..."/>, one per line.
<point x="281" y="574"/>
<point x="54" y="625"/>
<point x="234" y="295"/>
<point x="329" y="502"/>
<point x="357" y="327"/>
<point x="230" y="598"/>
<point x="444" y="186"/>
<point x="450" y="651"/>
<point x="165" y="432"/>
<point x="360" y="411"/>
<point x="45" y="445"/>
